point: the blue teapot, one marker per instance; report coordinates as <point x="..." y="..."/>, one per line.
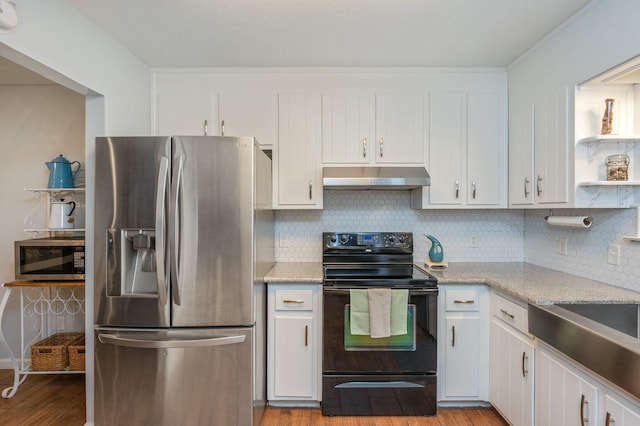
<point x="60" y="173"/>
<point x="436" y="254"/>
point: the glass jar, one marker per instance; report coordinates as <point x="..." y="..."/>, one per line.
<point x="617" y="167"/>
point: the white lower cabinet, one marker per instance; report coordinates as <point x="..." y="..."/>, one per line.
<point x="463" y="350"/>
<point x="293" y="344"/>
<point x="511" y="362"/>
<point x="563" y="397"/>
<point x="569" y="394"/>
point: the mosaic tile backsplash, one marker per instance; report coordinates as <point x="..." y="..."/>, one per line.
<point x="586" y="248"/>
<point x="500" y="235"/>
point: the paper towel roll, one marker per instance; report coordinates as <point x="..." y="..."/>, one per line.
<point x="572" y="221"/>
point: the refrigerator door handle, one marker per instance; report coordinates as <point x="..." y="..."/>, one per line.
<point x="161" y="190"/>
<point x="176" y="191"/>
<point x="167" y="344"/>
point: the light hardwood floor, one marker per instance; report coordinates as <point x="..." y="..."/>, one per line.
<point x="446" y="416"/>
<point x="48" y="400"/>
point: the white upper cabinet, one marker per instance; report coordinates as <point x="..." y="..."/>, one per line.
<point x="363" y="128"/>
<point x="347" y="128"/>
<point x="467" y="151"/>
<point x="186" y="113"/>
<point x="297" y="170"/>
<point x="249" y="114"/>
<point x="399" y="128"/>
<point x="539" y="146"/>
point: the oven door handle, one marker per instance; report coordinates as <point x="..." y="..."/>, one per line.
<point x="412" y="291"/>
<point x="369" y="385"/>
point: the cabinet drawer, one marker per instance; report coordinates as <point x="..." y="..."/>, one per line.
<point x="294" y="300"/>
<point x="510" y="312"/>
<point x="461" y="300"/>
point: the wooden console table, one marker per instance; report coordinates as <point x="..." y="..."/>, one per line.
<point x="52" y="306"/>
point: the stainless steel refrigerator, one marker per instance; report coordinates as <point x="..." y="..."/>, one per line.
<point x="184" y="237"/>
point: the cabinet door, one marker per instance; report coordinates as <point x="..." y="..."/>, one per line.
<point x="461" y="375"/>
<point x="186" y="114"/>
<point x="294" y="370"/>
<point x="446" y="143"/>
<point x="562" y="396"/>
<point x="512" y="371"/>
<point x="298" y="174"/>
<point x="249" y="114"/>
<point x="347" y="121"/>
<point x="399" y="128"/>
<point x="616" y="412"/>
<point x="486" y="150"/>
<point x="551" y="148"/>
<point x="521" y="156"/>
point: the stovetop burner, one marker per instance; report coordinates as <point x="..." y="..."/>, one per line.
<point x="371" y="259"/>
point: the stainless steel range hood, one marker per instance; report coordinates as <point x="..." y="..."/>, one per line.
<point x="375" y="177"/>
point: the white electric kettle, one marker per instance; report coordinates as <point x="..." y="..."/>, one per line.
<point x="61" y="214"/>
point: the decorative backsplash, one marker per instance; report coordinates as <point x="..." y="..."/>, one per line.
<point x="586" y="248"/>
<point x="500" y="235"/>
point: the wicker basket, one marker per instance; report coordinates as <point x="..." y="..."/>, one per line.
<point x="51" y="354"/>
<point x="76" y="355"/>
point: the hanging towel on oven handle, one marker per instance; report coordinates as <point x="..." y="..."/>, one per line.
<point x="393" y="323"/>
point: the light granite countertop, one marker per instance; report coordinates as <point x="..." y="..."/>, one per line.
<point x="524" y="281"/>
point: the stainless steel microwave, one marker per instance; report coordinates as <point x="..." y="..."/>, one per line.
<point x="50" y="259"/>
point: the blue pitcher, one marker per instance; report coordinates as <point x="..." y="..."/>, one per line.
<point x="60" y="173"/>
<point x="436" y="254"/>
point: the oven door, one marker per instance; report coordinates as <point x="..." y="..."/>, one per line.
<point x="413" y="353"/>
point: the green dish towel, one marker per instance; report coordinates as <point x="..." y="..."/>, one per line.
<point x="360" y="320"/>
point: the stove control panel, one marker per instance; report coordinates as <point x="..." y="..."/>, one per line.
<point x="368" y="239"/>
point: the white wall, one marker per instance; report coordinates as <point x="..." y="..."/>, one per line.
<point x="72" y="49"/>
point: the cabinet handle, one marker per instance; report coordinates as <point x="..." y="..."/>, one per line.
<point x="507" y="314"/>
<point x="310" y="190"/>
<point x="539" y="185"/>
<point x="583" y="402"/>
<point x="306" y="335"/>
<point x="293" y="301"/>
<point x="524" y="362"/>
<point x="526" y="187"/>
<point x="609" y="420"/>
<point x="464" y="302"/>
<point x="206" y="127"/>
<point x="457" y="188"/>
<point x="381" y="148"/>
<point x="222" y="128"/>
<point x="364" y="148"/>
<point x="473" y="190"/>
<point x="453" y="336"/>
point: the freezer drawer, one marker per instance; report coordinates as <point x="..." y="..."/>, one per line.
<point x="172" y="377"/>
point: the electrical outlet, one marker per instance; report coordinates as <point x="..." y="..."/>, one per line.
<point x="473" y="241"/>
<point x="613" y="254"/>
<point x="283" y="241"/>
<point x="563" y="246"/>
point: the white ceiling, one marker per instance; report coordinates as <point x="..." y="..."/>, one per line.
<point x="328" y="33"/>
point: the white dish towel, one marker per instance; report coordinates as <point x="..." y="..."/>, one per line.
<point x="380" y="312"/>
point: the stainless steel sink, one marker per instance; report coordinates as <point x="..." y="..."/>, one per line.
<point x="602" y="337"/>
<point x="621" y="317"/>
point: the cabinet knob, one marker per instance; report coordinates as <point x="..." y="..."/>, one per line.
<point x="381" y="148"/>
<point x="222" y="128"/>
<point x="526" y="187"/>
<point x="310" y="190"/>
<point x="473" y="189"/>
<point x="206" y="127"/>
<point x="524" y="365"/>
<point x="364" y="148"/>
<point x="456" y="187"/>
<point x="453" y="336"/>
